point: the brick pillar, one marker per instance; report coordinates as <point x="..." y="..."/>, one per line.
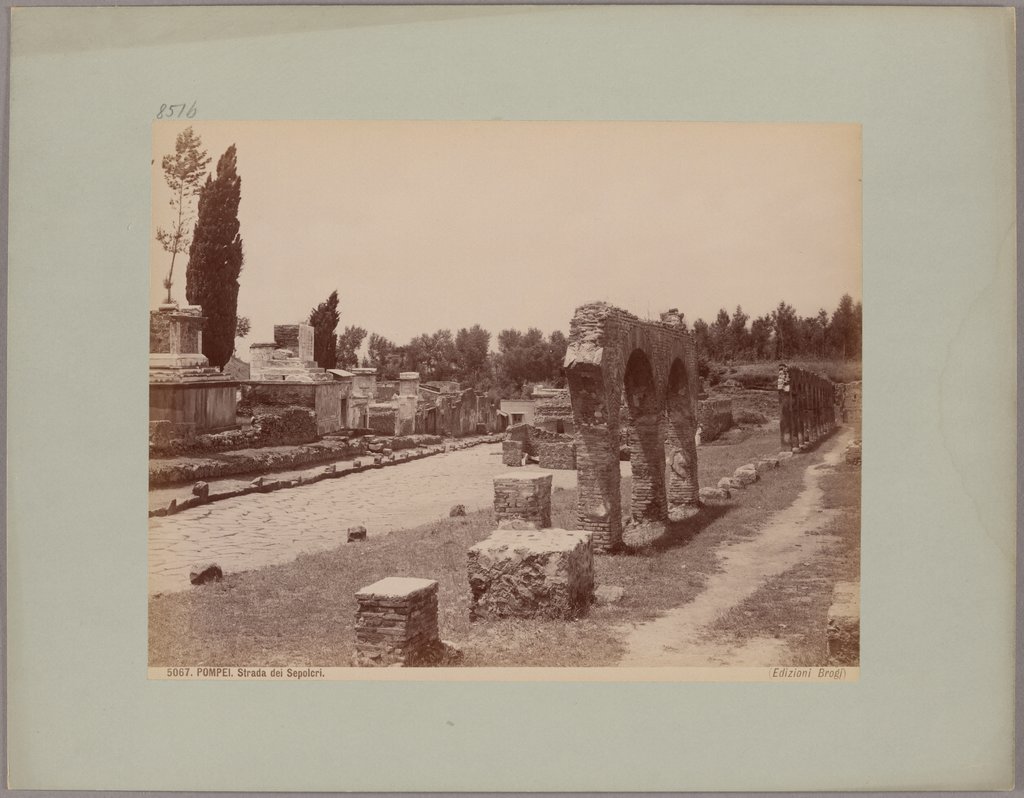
<point x="598" y="492"/>
<point x="396" y="622"/>
<point x="523" y="498"/>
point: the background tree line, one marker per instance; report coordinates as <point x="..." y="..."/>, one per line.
<point x="782" y="334"/>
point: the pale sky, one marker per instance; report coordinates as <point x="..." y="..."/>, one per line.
<point x="429" y="225"/>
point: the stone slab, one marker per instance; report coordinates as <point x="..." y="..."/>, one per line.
<point x="396" y="587"/>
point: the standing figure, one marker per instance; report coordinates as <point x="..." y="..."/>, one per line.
<point x="785" y="407"/>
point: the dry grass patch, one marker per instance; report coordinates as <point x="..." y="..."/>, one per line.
<point x="793" y="606"/>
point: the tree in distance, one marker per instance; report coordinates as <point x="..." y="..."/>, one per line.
<point x="215" y="260"/>
<point x="183" y="172"/>
<point x="346" y="350"/>
<point x="324" y="319"/>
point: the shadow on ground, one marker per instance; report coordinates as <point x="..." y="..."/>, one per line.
<point x="645" y="539"/>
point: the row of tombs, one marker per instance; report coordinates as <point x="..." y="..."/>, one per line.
<point x="187" y="397"/>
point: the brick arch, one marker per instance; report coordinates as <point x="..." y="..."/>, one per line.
<point x="602" y="341"/>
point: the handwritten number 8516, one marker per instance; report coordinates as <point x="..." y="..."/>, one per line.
<point x="176" y="111"/>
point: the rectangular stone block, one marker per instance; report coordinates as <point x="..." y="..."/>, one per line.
<point x="396" y="622"/>
<point x="531" y="573"/>
<point x="523" y="497"/>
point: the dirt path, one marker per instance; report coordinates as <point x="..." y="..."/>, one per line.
<point x="675" y="639"/>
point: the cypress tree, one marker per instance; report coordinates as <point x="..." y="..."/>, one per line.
<point x="324" y="320"/>
<point x="215" y="259"/>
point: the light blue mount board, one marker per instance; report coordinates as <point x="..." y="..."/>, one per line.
<point x="933" y="89"/>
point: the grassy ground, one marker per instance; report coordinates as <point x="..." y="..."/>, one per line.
<point x="794" y="605"/>
<point x="303" y="612"/>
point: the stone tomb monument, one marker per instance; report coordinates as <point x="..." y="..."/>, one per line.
<point x="184" y="391"/>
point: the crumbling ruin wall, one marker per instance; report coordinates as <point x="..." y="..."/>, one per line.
<point x="608" y="349"/>
<point x="554" y="412"/>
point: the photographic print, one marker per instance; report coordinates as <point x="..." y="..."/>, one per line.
<point x="543" y="395"/>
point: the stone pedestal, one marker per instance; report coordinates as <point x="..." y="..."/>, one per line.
<point x="397" y="623"/>
<point x="530" y="573"/>
<point x="523" y="499"/>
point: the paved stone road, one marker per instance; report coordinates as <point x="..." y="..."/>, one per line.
<point x="264" y="528"/>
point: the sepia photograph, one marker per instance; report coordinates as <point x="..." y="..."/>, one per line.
<point x="504" y="395"/>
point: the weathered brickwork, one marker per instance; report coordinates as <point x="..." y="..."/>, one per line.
<point x="611" y="350"/>
<point x="396" y="622"/>
<point x="531" y="573"/>
<point x="556" y="454"/>
<point x="523" y="498"/>
<point x="807" y="404"/>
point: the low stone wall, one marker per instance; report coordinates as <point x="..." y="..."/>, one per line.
<point x="523" y="499"/>
<point x="396" y="622"/>
<point x="530" y="573"/>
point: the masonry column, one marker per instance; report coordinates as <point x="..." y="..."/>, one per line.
<point x="598" y="502"/>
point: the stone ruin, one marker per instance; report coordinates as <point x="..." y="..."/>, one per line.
<point x="525" y="569"/>
<point x="611" y="350"/>
<point x="807" y="403"/>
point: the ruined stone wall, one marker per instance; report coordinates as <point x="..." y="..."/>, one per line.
<point x="556" y="454"/>
<point x="554" y="413"/>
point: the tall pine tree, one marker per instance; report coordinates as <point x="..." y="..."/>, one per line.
<point x="215" y="259"/>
